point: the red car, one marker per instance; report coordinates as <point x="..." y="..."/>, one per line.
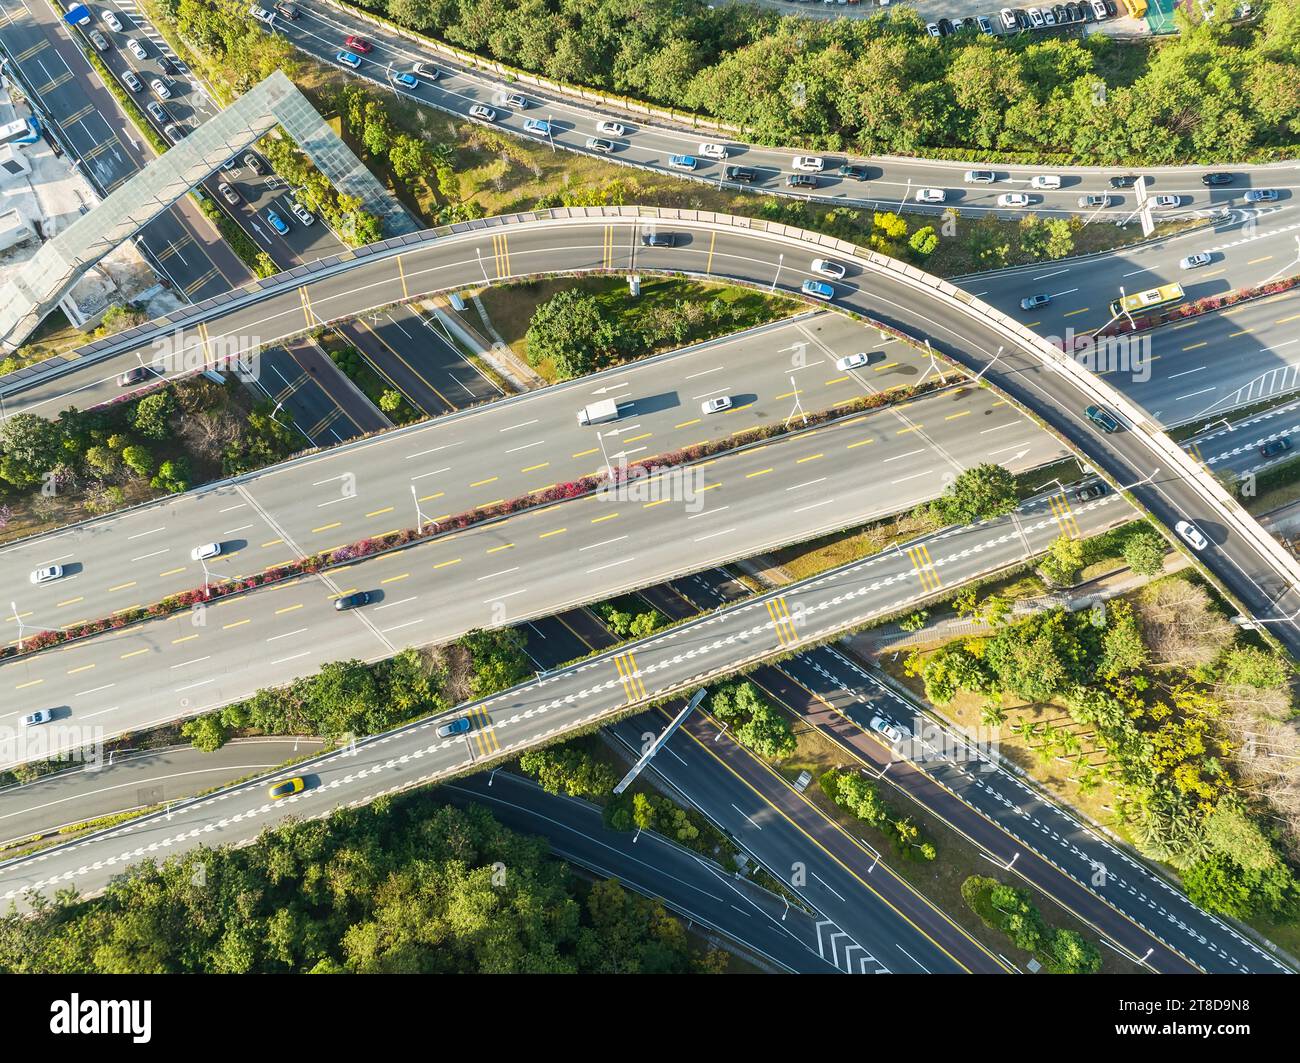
<point x="359" y="45"/>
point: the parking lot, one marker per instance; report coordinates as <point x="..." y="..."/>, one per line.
<point x="937" y="12"/>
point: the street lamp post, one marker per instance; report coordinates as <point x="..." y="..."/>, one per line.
<point x="780" y="260"/>
<point x="479" y="251"/>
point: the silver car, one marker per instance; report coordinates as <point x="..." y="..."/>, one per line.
<point x="1193" y="261"/>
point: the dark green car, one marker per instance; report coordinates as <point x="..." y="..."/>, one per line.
<point x="1102" y="418"/>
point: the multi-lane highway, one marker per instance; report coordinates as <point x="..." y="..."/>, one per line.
<point x="581" y="694"/>
<point x="493" y="573"/>
<point x="322" y="28"/>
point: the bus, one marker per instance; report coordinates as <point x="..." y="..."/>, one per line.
<point x="1148" y="300"/>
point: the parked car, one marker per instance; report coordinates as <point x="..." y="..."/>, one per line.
<point x="853" y="361"/>
<point x="1274" y="447"/>
<point x="1008" y="18"/>
<point x="980" y="177"/>
<point x="1035" y="18"/>
<point x="605" y="147"/>
<point x="352" y="601"/>
<point x="611" y="129"/>
<point x="482" y="112"/>
<point x="932" y="28"/>
<point x="168" y="67"/>
<point x="1033" y="302"/>
<point x="1099" y="9"/>
<point x="175" y="132"/>
<point x="1102" y="418"/>
<point x="277" y="223"/>
<point x="818" y="290"/>
<point x="1261" y="195"/>
<point x="287" y="788"/>
<point x="1013" y="199"/>
<point x="1201" y="258"/>
<point x="716" y="404"/>
<point x="228" y="194"/>
<point x="808" y="163"/>
<point x="349" y="59"/>
<point x="254" y="162"/>
<point x="931" y="195"/>
<point x="207" y="550"/>
<point x="301" y="213"/>
<point x="827" y="268"/>
<point x="457" y="726"/>
<point x="48" y="574"/>
<point x="984" y="24"/>
<point x="1191" y="535"/>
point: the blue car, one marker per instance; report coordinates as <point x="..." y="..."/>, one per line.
<point x="277" y="223"/>
<point x="818" y="290"/>
<point x="407" y="81"/>
<point x="682" y="162"/>
<point x="348" y="59"/>
<point x="457" y="726"/>
<point x="539" y="127"/>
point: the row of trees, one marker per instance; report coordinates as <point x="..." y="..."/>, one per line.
<point x="109" y="455"/>
<point x="351" y="699"/>
<point x="1162" y="687"/>
<point x="405" y="885"/>
<point x="882" y="85"/>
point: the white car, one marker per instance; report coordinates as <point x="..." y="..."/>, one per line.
<point x="1035" y="18"/>
<point x="711" y="150"/>
<point x="136" y="48"/>
<point x="207" y="550"/>
<point x="852" y="361"/>
<point x="980" y="177"/>
<point x="301" y="213"/>
<point x="48" y="574"/>
<point x="1165" y="202"/>
<point x="827" y="268"/>
<point x="717" y="405"/>
<point x="1045" y="180"/>
<point x="931" y="195"/>
<point x="131" y="81"/>
<point x="39" y="716"/>
<point x="483" y="113"/>
<point x="1202" y="258"/>
<point x="808" y="163"/>
<point x="1013" y="199"/>
<point x="611" y="129"/>
<point x="261" y="14"/>
<point x="160" y="88"/>
<point x="883" y="727"/>
<point x="605" y="147"/>
<point x="1191" y="535"/>
<point x="112" y="21"/>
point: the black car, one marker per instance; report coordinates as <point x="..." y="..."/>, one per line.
<point x="1127" y="180"/>
<point x="168" y="66"/>
<point x="801" y="180"/>
<point x="352" y="601"/>
<point x="1076" y="11"/>
<point x="134" y="376"/>
<point x="1089" y="15"/>
<point x="1062" y="16"/>
<point x="969" y="23"/>
<point x="1111" y="9"/>
<point x="856" y="173"/>
<point x="739" y="173"/>
<point x="659" y="239"/>
<point x="1215" y="180"/>
<point x="1090" y="491"/>
<point x="1275" y="447"/>
<point x="945" y="27"/>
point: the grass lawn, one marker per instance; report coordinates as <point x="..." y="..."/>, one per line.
<point x="940" y="879"/>
<point x="511" y="307"/>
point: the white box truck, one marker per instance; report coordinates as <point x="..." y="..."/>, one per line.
<point x="599" y="412"/>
